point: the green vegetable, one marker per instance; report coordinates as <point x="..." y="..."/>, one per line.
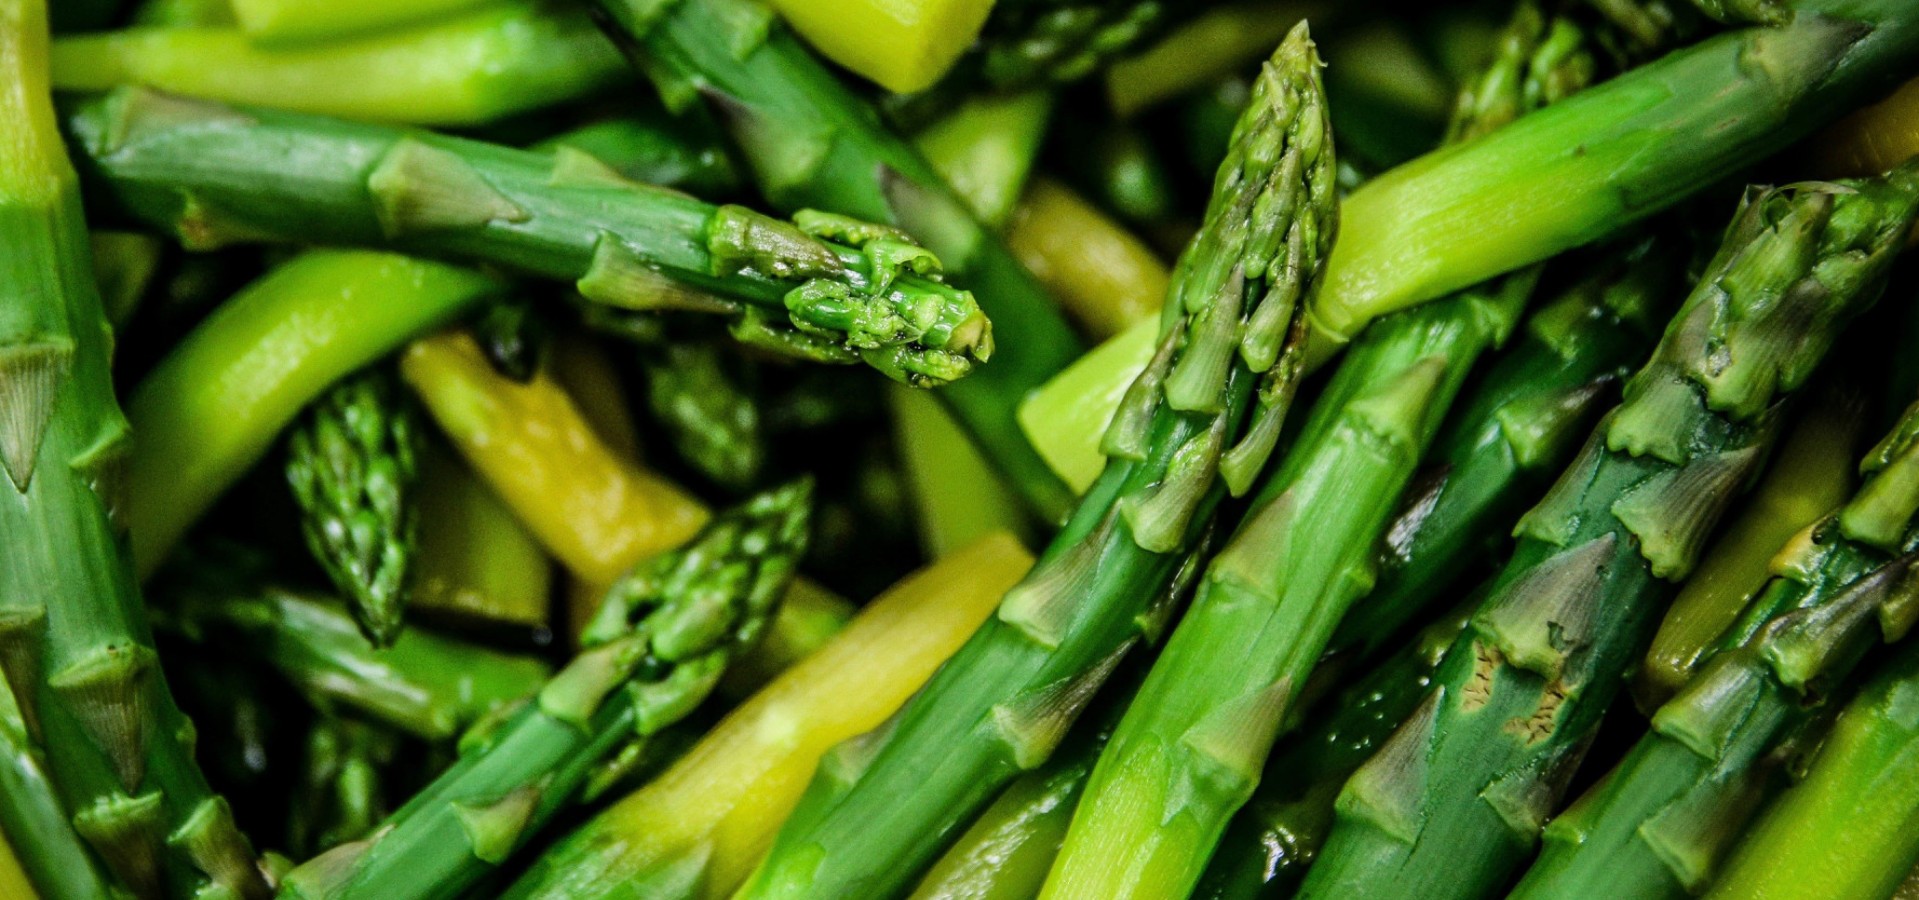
<point x="341" y="796"/>
<point x="33" y="821"/>
<point x="651" y="145"/>
<point x="654" y="651"/>
<point x="270" y="21"/>
<point x="883" y="806"/>
<point x="822" y="286"/>
<point x="74" y="641"/>
<point x="1454" y="802"/>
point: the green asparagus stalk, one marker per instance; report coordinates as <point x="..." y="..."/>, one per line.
<point x="809" y="141"/>
<point x="822" y="286"/>
<point x="278" y="21"/>
<point x="1664" y="818"/>
<point x="184" y="14"/>
<point x="1232" y="674"/>
<point x="75" y="646"/>
<point x="1858" y="797"/>
<point x="651" y="145"/>
<point x="425" y="684"/>
<point x="213" y="408"/>
<point x="655" y="650"/>
<point x="475" y="560"/>
<point x="1811" y="475"/>
<point x="1454" y="802"/>
<point x="33" y="821"/>
<point x="956" y="494"/>
<point x="985" y="148"/>
<point x="700" y="397"/>
<point x="1517" y="429"/>
<point x="473" y="69"/>
<point x="1002" y="705"/>
<point x="353" y="463"/>
<point x="341" y="794"/>
<point x="1266" y="849"/>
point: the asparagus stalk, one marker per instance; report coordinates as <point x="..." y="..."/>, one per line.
<point x="1873" y="139"/>
<point x="985" y="149"/>
<point x="352" y="461"/>
<point x="703" y="401"/>
<point x="52" y="861"/>
<point x="424" y="684"/>
<point x="13" y="879"/>
<point x="210" y="411"/>
<point x="184" y="13"/>
<point x="1191" y="744"/>
<point x="1859" y="787"/>
<point x="903" y="47"/>
<point x="1811" y="476"/>
<point x="1003" y="704"/>
<point x="956" y="495"/>
<point x="535" y="56"/>
<point x="1267" y="847"/>
<point x="1104" y="277"/>
<point x="1454" y="802"/>
<point x="278" y="21"/>
<point x="698" y="829"/>
<point x="808" y="141"/>
<point x="341" y="791"/>
<point x="656" y="649"/>
<point x="1219" y="41"/>
<point x="1658" y="826"/>
<point x="823" y="286"/>
<point x="1646" y="140"/>
<point x="475" y="560"/>
<point x="654" y="146"/>
<point x="74" y="642"/>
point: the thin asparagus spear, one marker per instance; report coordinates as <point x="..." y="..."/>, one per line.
<point x="958" y="498"/>
<point x="475" y="560"/>
<point x="52" y="858"/>
<point x="214" y="406"/>
<point x="1266" y="849"/>
<point x="698" y="829"/>
<point x="700" y="397"/>
<point x="342" y="790"/>
<point x="1646" y="140"/>
<point x="1219" y="41"/>
<point x="1851" y="827"/>
<point x="655" y="650"/>
<point x="13" y="879"/>
<point x="74" y="642"/>
<point x="1003" y="704"/>
<point x="822" y="286"/>
<point x="288" y="21"/>
<point x="1104" y="277"/>
<point x="808" y="141"/>
<point x="1812" y="474"/>
<point x="1454" y="802"/>
<point x="352" y="461"/>
<point x="1661" y="821"/>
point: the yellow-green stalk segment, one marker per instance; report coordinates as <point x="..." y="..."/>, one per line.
<point x="1454" y="802"/>
<point x="809" y="141"/>
<point x="820" y="287"/>
<point x="74" y="641"/>
<point x="656" y="648"/>
<point x="1203" y="418"/>
<point x="1659" y="824"/>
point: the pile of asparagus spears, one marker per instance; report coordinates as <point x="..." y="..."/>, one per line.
<point x="1075" y="449"/>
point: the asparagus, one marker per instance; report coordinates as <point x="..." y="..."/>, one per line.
<point x="74" y="643"/>
<point x="57" y="865"/>
<point x="698" y="829"/>
<point x="124" y="265"/>
<point x="1454" y="802"/>
<point x="808" y="141"/>
<point x="1810" y="477"/>
<point x="273" y="21"/>
<point x="1858" y="794"/>
<point x="535" y="55"/>
<point x="901" y="47"/>
<point x="654" y="146"/>
<point x="985" y="149"/>
<point x="1267" y="847"/>
<point x="475" y="560"/>
<point x="1873" y="139"/>
<point x="1191" y="744"/>
<point x="341" y="791"/>
<point x="184" y="13"/>
<point x="352" y="461"/>
<point x="956" y="496"/>
<point x="709" y="411"/>
<point x="425" y="684"/>
<point x="1104" y="277"/>
<point x="214" y="406"/>
<point x="1658" y="826"/>
<point x="1218" y="42"/>
<point x="1003" y="703"/>
<point x="655" y="650"/>
<point x="822" y="286"/>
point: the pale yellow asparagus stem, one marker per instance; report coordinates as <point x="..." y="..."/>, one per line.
<point x="1064" y="417"/>
<point x="1104" y="277"/>
<point x="581" y="365"/>
<point x="957" y="495"/>
<point x="716" y="810"/>
<point x="1873" y="139"/>
<point x="475" y="559"/>
<point x="13" y="879"/>
<point x="1220" y="41"/>
<point x="902" y="45"/>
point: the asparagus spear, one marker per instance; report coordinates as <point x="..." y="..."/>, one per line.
<point x="1660" y="823"/>
<point x="808" y="141"/>
<point x="286" y="21"/>
<point x="1003" y="703"/>
<point x="1454" y="802"/>
<point x="1851" y="827"/>
<point x="341" y="792"/>
<point x="658" y="646"/>
<point x="475" y="560"/>
<point x="1873" y="139"/>
<point x="699" y="396"/>
<point x="1191" y="744"/>
<point x="651" y="145"/>
<point x="57" y="865"/>
<point x="1267" y="847"/>
<point x="822" y="286"/>
<point x="352" y="462"/>
<point x="74" y="643"/>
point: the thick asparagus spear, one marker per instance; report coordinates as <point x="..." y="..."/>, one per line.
<point x="1454" y="802"/>
<point x="33" y="822"/>
<point x="1660" y="823"/>
<point x="1004" y="702"/>
<point x="822" y="286"/>
<point x="809" y="141"/>
<point x="74" y="642"/>
<point x="353" y="463"/>
<point x="658" y="646"/>
<point x="1851" y="827"/>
